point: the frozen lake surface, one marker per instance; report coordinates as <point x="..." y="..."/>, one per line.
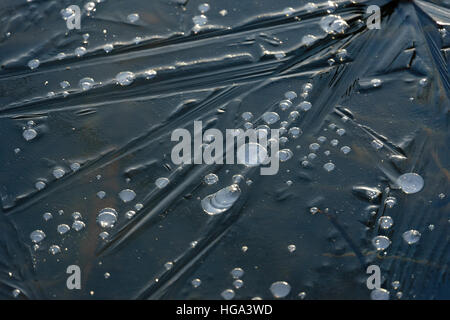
<point x="87" y="178"/>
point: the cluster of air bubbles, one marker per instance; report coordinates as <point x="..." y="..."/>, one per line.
<point x="290" y="95"/>
<point x="101" y="194"/>
<point x="341" y="54"/>
<point x="285" y="155"/>
<point x="333" y="24"/>
<point x="67" y="13"/>
<point x="60" y="56"/>
<point x="313" y="210"/>
<point x="16" y="292"/>
<point x="33" y="63"/>
<point x="377" y="144"/>
<point x="193" y="244"/>
<point x="127" y="195"/>
<point x="329" y="166"/>
<point x="379" y="294"/>
<point x="283" y="140"/>
<point x="410" y="182"/>
<point x="168" y="265"/>
<point x="312" y="156"/>
<point x="381" y="242"/>
<point x="309" y="40"/>
<point x="411" y="236"/>
<point x="89" y="7"/>
<point x="78" y="225"/>
<point x="270" y="117"/>
<point x="211" y="179"/>
<point x="80" y="51"/>
<point x="200" y="20"/>
<point x="228" y="294"/>
<point x="29" y="133"/>
<point x="133" y="17"/>
<point x="203" y="8"/>
<point x="130" y="214"/>
<point x="340" y="131"/>
<point x="125" y="78"/>
<point x="37" y="236"/>
<point x="222" y="200"/>
<point x="196" y="282"/>
<point x="280" y="55"/>
<point x="247" y="116"/>
<point x="86" y="83"/>
<point x="237" y="273"/>
<point x="107" y="217"/>
<point x="238" y="283"/>
<point x="280" y="289"/>
<point x="47" y="216"/>
<point x="295" y="132"/>
<point x="306" y="89"/>
<point x="104" y="235"/>
<point x="376" y="82"/>
<point x="150" y="74"/>
<point x="367" y="192"/>
<point x="285" y="104"/>
<point x="237" y="178"/>
<point x="288" y="11"/>
<point x="64" y="84"/>
<point x="58" y="172"/>
<point x="395" y="284"/>
<point x="385" y="222"/>
<point x="108" y="47"/>
<point x="305" y="105"/>
<point x="162" y="182"/>
<point x="85" y="37"/>
<point x="345" y="149"/>
<point x="331" y="6"/>
<point x="390" y="201"/>
<point x="63" y="228"/>
<point x="310" y="7"/>
<point x="54" y="249"/>
<point x="423" y="82"/>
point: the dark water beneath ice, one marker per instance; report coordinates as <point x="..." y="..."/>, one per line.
<point x="310" y="227"/>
